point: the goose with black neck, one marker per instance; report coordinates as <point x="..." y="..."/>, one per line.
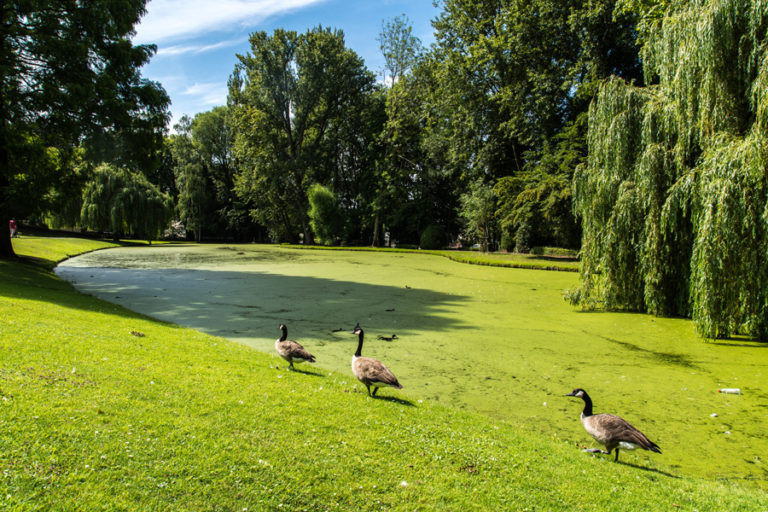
<point x="370" y="371"/>
<point x="611" y="431"/>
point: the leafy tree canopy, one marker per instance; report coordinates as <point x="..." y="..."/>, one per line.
<point x="400" y="48"/>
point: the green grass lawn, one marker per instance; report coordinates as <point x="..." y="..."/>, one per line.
<point x="105" y="409"/>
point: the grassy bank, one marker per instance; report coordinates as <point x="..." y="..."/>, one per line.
<point x="46" y="252"/>
<point x="104" y="409"/>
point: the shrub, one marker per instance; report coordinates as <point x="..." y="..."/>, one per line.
<point x="325" y="217"/>
<point x="433" y="237"/>
<point x="507" y="238"/>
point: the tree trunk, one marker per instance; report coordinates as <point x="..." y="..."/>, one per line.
<point x="6" y="247"/>
<point x="376" y="227"/>
<point x="308" y="237"/>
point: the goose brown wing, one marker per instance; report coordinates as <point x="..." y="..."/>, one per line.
<point x="619" y="429"/>
<point x="373" y="371"/>
<point x="294" y="349"/>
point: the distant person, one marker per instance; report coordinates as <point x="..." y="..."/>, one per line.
<point x="12" y="225"/>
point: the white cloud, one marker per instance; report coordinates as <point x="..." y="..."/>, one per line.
<point x="167" y="51"/>
<point x="177" y="19"/>
<point x="207" y="94"/>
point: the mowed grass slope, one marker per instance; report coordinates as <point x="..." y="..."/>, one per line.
<point x="104" y="409"/>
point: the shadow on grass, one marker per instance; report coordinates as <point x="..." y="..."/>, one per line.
<point x="303" y="372"/>
<point x="650" y="470"/>
<point x="399" y="401"/>
<point x="394" y="400"/>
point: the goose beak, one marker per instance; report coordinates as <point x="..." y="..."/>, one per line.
<point x="570" y="394"/>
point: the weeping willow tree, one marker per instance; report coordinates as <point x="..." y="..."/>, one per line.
<point x="125" y="202"/>
<point x="674" y="195"/>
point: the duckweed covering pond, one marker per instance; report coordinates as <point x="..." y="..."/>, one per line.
<point x="495" y="340"/>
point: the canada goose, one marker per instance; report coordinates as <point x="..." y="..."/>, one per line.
<point x="388" y="338"/>
<point x="610" y="430"/>
<point x="369" y="371"/>
<point x="290" y="350"/>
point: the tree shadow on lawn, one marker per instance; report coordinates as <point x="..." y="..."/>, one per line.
<point x="252" y="304"/>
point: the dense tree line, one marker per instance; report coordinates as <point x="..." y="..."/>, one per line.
<point x="498" y="104"/>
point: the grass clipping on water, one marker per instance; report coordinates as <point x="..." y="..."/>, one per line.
<point x="104" y="409"/>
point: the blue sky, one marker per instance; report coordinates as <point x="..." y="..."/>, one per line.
<point x="198" y="40"/>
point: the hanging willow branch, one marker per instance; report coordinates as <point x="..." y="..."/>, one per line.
<point x="673" y="196"/>
<point x="124" y="202"/>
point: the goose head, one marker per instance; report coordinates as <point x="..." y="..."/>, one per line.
<point x="578" y="393"/>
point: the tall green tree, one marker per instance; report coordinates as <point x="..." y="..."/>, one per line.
<point x="401" y="51"/>
<point x="212" y="137"/>
<point x="674" y="194"/>
<point x="354" y="162"/>
<point x="420" y="187"/>
<point x="69" y="76"/>
<point x="205" y="170"/>
<point x="515" y="82"/>
<point x="535" y="206"/>
<point x="287" y="99"/>
<point x="195" y="199"/>
<point x="503" y="69"/>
